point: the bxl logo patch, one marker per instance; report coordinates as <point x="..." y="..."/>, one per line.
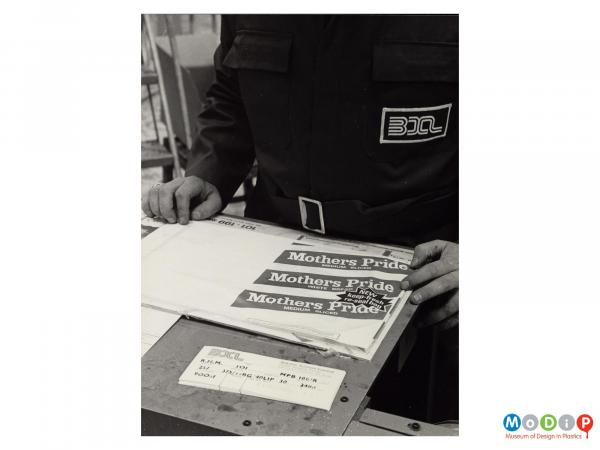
<point x="412" y="125"/>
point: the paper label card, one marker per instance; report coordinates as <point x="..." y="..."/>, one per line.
<point x="245" y="373"/>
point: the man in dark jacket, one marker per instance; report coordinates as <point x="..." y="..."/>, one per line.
<point x="353" y="123"/>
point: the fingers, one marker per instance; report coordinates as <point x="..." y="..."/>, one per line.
<point x="440" y="285"/>
<point x="158" y="201"/>
<point x="153" y="200"/>
<point x="210" y="206"/>
<point x="426" y="252"/>
<point x="146" y="206"/>
<point x="171" y="200"/>
<point x="183" y="196"/>
<point x="165" y="199"/>
<point x="429" y="272"/>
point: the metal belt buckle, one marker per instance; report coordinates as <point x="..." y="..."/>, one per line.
<point x="304" y="215"/>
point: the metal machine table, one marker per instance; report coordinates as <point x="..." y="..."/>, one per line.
<point x="171" y="408"/>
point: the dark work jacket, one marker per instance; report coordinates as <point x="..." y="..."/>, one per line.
<point x="357" y="112"/>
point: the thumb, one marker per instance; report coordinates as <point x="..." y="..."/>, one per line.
<point x="210" y="206"/>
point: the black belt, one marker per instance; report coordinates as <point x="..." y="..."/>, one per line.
<point x="414" y="217"/>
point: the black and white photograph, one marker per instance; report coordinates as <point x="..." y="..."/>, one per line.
<point x="314" y="158"/>
<point x="237" y="225"/>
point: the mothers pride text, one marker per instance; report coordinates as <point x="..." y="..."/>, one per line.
<point x="341" y="261"/>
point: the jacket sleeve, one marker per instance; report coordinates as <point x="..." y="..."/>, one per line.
<point x="223" y="150"/>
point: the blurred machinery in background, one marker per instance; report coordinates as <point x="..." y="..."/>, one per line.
<point x="177" y="68"/>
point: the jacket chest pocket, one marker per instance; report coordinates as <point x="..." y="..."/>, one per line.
<point x="262" y="63"/>
<point x="412" y="106"/>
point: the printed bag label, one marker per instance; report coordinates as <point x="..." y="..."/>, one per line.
<point x="340" y="261"/>
<point x="360" y="305"/>
<point x="327" y="283"/>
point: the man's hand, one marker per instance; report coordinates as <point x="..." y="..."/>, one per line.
<point x="171" y="201"/>
<point x="436" y="273"/>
